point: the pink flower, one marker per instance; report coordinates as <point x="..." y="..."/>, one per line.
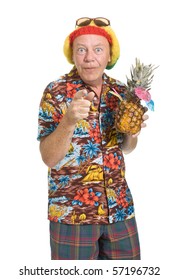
<point x="142" y="94"/>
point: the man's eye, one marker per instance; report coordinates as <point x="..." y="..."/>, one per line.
<point x="81" y="50"/>
<point x="98" y="50"/>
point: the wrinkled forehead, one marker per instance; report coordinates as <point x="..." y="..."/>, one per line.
<point x="91" y="39"/>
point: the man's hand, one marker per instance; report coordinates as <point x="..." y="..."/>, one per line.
<point x="79" y="107"/>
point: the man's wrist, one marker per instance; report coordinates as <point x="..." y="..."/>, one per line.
<point x="67" y="124"/>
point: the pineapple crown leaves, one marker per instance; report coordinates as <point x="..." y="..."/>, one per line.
<point x="141" y="75"/>
<point x="139" y="84"/>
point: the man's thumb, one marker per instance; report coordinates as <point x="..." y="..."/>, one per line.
<point x="81" y="94"/>
<point x="89" y="96"/>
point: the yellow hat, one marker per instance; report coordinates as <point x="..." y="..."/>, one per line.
<point x="94" y="27"/>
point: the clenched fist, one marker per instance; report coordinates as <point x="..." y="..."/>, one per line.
<point x="79" y="107"/>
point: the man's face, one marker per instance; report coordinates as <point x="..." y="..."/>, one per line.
<point x="91" y="54"/>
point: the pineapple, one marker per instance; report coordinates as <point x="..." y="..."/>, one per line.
<point x="129" y="117"/>
<point x="130" y="110"/>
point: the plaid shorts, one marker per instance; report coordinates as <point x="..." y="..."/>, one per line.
<point x="118" y="241"/>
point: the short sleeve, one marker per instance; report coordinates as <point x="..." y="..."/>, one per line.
<point x="49" y="111"/>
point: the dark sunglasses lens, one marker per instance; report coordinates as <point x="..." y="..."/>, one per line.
<point x="101" y="21"/>
<point x="83" y="21"/>
<point x="98" y="21"/>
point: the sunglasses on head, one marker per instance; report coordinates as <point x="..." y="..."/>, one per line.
<point x="99" y="21"/>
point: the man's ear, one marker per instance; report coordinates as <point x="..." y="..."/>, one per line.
<point x="109" y="60"/>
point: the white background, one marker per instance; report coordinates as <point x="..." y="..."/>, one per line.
<point x="31" y="56"/>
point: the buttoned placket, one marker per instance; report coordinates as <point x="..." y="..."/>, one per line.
<point x="97" y="105"/>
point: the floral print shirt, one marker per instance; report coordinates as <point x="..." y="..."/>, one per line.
<point x="88" y="186"/>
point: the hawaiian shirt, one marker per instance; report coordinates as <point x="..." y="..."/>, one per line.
<point x="88" y="185"/>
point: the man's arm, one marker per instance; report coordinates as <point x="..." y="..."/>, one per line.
<point x="54" y="147"/>
<point x="130" y="141"/>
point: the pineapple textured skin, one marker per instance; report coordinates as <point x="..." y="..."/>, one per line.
<point x="129" y="117"/>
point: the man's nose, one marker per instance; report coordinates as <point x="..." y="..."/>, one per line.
<point x="89" y="55"/>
